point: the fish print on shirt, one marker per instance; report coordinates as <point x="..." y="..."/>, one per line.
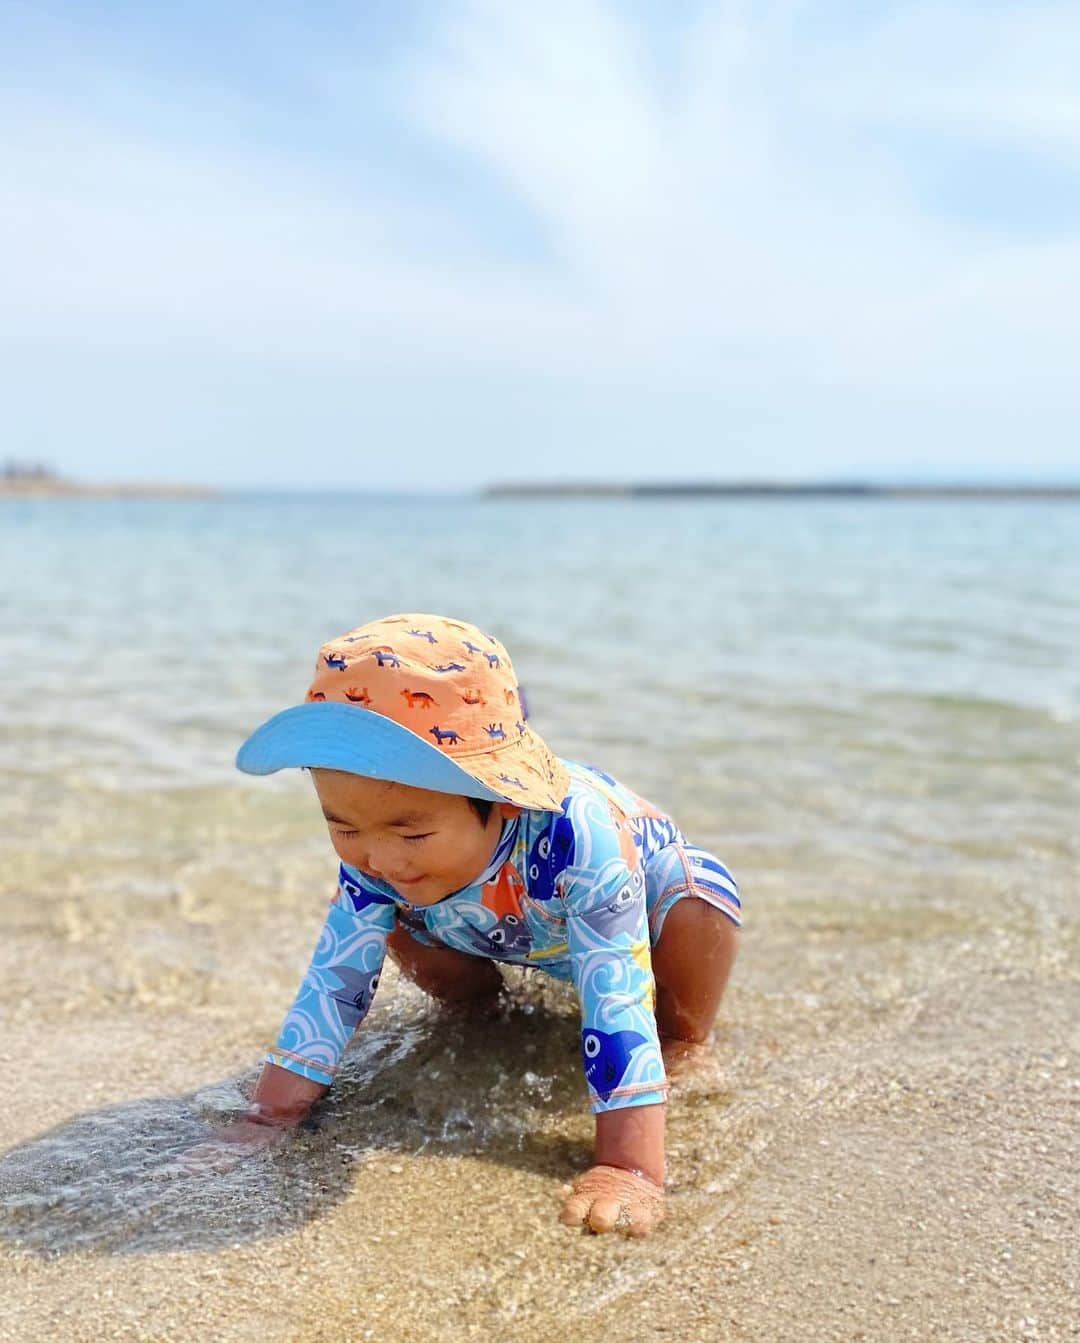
<point x="605" y="1056"/>
<point x="563" y="892"/>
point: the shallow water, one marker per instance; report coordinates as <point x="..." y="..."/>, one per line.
<point x="787" y="676"/>
<point x="870" y="709"/>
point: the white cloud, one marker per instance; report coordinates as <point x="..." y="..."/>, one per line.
<point x="745" y="210"/>
<point x="1002" y="75"/>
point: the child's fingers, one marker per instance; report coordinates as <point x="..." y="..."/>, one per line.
<point x="642" y="1219"/>
<point x="604" y="1214"/>
<point x="601" y="1214"/>
<point x="576" y="1209"/>
<point x="194" y="1162"/>
<point x="221" y="1153"/>
<point x="208" y="1158"/>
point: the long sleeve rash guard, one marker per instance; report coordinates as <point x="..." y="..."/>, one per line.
<point x="564" y="892"/>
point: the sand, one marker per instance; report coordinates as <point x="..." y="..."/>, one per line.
<point x="885" y="1150"/>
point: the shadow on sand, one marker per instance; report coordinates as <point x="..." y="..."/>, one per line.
<point x="413" y="1081"/>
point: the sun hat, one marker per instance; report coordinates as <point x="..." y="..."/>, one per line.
<point x="416" y="699"/>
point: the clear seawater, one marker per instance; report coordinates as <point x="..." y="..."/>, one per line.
<point x="743" y="658"/>
<point x="870" y="709"/>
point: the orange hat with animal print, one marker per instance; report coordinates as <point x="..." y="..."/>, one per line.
<point x="421" y="700"/>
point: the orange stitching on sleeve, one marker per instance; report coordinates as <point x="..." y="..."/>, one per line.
<point x="640" y="1088"/>
<point x="299" y="1058"/>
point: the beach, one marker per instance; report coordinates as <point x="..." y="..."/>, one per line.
<point x="869" y="709"/>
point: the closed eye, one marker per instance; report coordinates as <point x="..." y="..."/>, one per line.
<point x="346" y="833"/>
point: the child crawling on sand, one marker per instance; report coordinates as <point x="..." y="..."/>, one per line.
<point x="465" y="842"/>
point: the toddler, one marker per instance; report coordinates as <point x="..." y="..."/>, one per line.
<point x="465" y="842"/>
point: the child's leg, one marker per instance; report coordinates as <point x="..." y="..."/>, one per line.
<point x="691" y="963"/>
<point x="694" y="915"/>
<point x="449" y="975"/>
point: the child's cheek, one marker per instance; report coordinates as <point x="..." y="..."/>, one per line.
<point x="344" y="849"/>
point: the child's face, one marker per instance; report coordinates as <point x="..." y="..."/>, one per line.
<point x="425" y="845"/>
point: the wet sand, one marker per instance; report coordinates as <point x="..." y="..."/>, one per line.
<point x="886" y="1149"/>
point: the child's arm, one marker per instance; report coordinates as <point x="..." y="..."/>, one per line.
<point x="333" y="999"/>
<point x="633" y="1139"/>
<point x="608" y="936"/>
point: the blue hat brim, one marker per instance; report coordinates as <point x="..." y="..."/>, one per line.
<point x="326" y="734"/>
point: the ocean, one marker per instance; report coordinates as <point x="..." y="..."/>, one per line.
<point x="794" y="675"/>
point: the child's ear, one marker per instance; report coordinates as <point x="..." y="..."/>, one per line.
<point x="507" y="810"/>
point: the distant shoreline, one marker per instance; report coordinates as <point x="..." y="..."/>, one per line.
<point x="53" y="488"/>
<point x="17" y="488"/>
<point x="767" y="490"/>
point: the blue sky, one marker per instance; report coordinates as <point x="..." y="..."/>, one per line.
<point x="434" y="245"/>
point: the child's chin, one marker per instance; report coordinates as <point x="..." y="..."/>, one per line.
<point x="423" y="892"/>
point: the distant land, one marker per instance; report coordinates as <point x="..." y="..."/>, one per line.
<point x="769" y="490"/>
<point x="21" y="479"/>
<point x="18" y="478"/>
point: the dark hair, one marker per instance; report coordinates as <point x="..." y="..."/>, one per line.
<point x="482" y="807"/>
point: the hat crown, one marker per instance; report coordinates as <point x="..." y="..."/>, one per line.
<point x="420" y="700"/>
<point x="445" y="680"/>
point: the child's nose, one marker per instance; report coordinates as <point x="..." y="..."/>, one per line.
<point x="369" y="851"/>
<point x="360" y="856"/>
<point x="368" y="864"/>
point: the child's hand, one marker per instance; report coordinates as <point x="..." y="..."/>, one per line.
<point x="252" y="1136"/>
<point x="230" y="1145"/>
<point x="607" y="1198"/>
